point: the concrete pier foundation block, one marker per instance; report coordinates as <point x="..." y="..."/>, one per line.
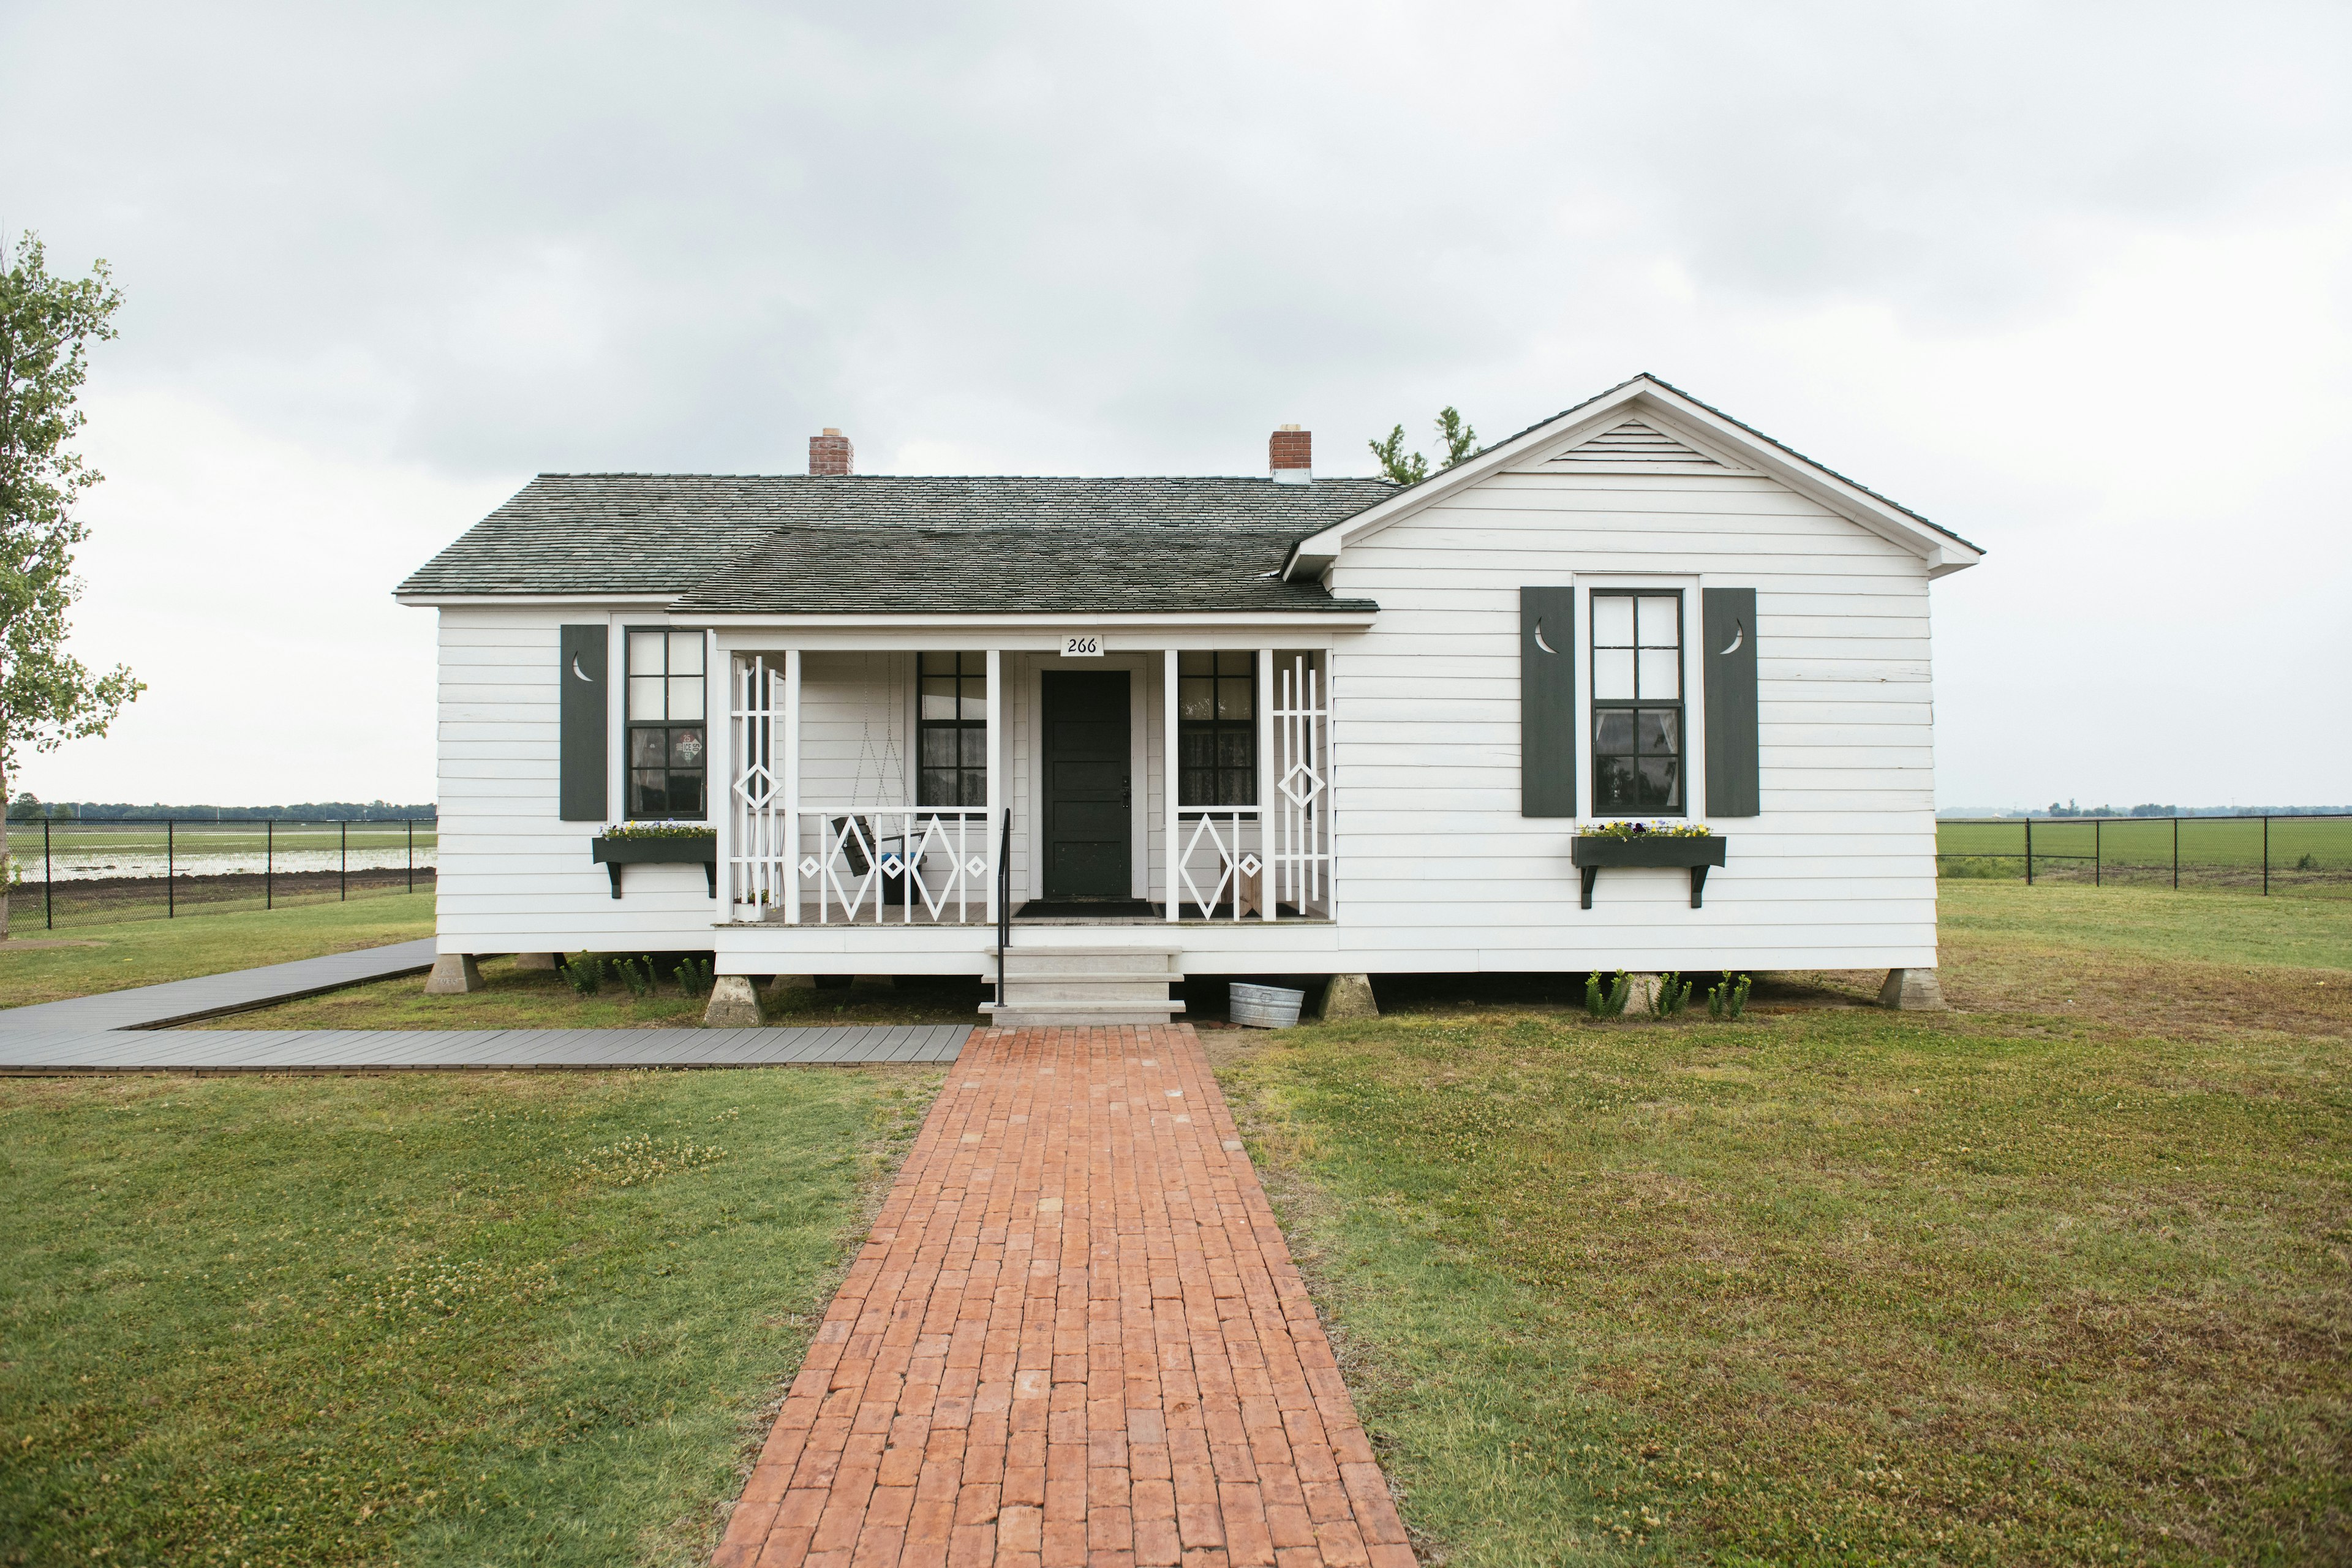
<point x="734" y="1005"/>
<point x="792" y="983"/>
<point x="1348" y="997"/>
<point x="1912" y="991"/>
<point x="1640" y="992"/>
<point x="453" y="974"/>
<point x="534" y="960"/>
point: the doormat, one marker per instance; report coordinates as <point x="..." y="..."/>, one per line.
<point x="1086" y="908"/>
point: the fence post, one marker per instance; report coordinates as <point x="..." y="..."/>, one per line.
<point x="343" y="876"/>
<point x="2028" y="851"/>
<point x="268" y="861"/>
<point x="412" y="854"/>
<point x="171" y="889"/>
<point x="48" y="880"/>
<point x="2176" y="854"/>
<point x="2098" y="854"/>
<point x="2266" y="856"/>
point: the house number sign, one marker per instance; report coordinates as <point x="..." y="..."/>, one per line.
<point x="1082" y="645"/>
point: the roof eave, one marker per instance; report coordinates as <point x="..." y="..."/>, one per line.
<point x="1943" y="551"/>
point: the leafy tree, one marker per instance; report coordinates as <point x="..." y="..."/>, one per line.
<point x="1411" y="467"/>
<point x="46" y="696"/>
<point x="1403" y="467"/>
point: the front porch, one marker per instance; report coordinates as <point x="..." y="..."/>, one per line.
<point x="1025" y="783"/>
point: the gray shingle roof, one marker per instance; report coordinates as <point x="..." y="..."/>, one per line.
<point x="884" y="543"/>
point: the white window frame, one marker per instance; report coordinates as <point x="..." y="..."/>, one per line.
<point x="1693" y="699"/>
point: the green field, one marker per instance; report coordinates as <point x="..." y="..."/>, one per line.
<point x="2059" y="1277"/>
<point x="2305" y="853"/>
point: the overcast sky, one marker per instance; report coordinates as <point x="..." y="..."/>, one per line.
<point x="2072" y="281"/>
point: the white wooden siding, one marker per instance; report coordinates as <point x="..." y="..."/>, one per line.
<point x="1439" y="869"/>
<point x="512" y="878"/>
<point x="1435" y="867"/>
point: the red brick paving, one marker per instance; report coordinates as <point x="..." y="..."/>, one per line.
<point x="1075" y="1336"/>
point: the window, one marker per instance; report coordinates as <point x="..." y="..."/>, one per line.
<point x="1216" y="727"/>
<point x="952" y="731"/>
<point x="666" y="742"/>
<point x="1637" y="703"/>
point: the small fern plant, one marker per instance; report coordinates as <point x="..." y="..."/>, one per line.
<point x="637" y="975"/>
<point x="1673" y="995"/>
<point x="585" y="970"/>
<point x="1607" y="1002"/>
<point x="1729" y="999"/>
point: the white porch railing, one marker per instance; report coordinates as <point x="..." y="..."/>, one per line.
<point x="1220" y="847"/>
<point x="794" y="861"/>
<point x="897" y="866"/>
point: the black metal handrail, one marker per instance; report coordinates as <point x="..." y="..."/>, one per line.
<point x="1004" y="899"/>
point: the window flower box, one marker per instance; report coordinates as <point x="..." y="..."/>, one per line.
<point x="1590" y="852"/>
<point x="657" y="846"/>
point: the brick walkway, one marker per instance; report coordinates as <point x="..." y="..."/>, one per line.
<point x="1076" y="1336"/>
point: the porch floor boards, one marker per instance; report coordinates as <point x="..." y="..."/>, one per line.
<point x="924" y="920"/>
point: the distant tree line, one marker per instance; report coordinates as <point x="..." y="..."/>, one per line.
<point x="2070" y="809"/>
<point x="28" y="807"/>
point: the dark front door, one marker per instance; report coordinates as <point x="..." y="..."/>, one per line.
<point x="1087" y="811"/>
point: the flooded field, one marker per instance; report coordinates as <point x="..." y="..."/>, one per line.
<point x="106" y="851"/>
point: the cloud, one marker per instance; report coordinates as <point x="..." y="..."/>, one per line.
<point x="2066" y="278"/>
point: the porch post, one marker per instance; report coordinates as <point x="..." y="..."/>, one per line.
<point x="1172" y="788"/>
<point x="719" y="764"/>
<point x="792" y="749"/>
<point x="989" y="832"/>
<point x="1269" y="886"/>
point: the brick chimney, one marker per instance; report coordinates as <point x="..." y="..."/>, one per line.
<point x="830" y="453"/>
<point x="1290" y="453"/>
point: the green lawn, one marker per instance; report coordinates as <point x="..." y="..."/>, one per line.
<point x="425" y="1320"/>
<point x="2064" y="1277"/>
<point x="148" y="951"/>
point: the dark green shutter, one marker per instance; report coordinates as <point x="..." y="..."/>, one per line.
<point x="1730" y="628"/>
<point x="587" y="673"/>
<point x="1547" y="702"/>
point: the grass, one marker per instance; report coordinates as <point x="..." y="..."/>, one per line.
<point x="424" y="1320"/>
<point x="2063" y="1277"/>
<point x="2307" y="855"/>
<point x="148" y="953"/>
<point x="515" y="998"/>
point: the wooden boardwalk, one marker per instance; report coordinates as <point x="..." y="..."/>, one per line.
<point x="54" y="1052"/>
<point x="127" y="1031"/>
<point x="209" y="995"/>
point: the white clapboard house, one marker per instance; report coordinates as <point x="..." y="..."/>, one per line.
<point x="1136" y="729"/>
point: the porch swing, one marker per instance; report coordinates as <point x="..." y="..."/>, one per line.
<point x="854" y="834"/>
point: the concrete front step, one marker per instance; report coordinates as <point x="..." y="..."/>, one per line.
<point x="1086" y="984"/>
<point x="1018" y="962"/>
<point x="1059" y="988"/>
<point x="1044" y="1014"/>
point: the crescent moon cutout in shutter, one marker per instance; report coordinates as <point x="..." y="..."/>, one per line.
<point x="1539" y="638"/>
<point x="580" y="672"/>
<point x="1739" y="635"/>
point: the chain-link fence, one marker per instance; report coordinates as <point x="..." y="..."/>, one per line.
<point x="2264" y="854"/>
<point x="65" y="873"/>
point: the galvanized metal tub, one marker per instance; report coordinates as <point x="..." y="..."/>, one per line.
<point x="1263" y="1006"/>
